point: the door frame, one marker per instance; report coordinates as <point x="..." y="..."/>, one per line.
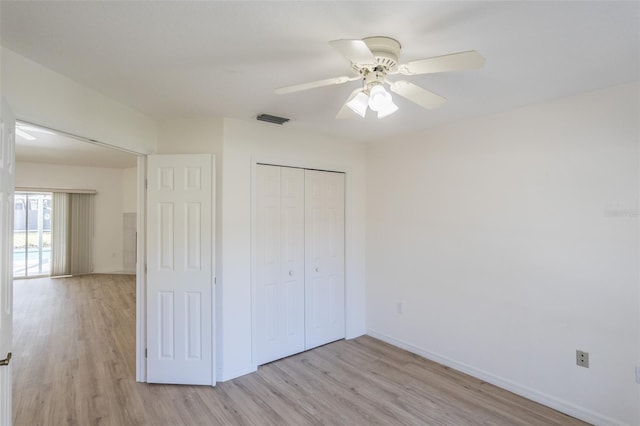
<point x="301" y="164"/>
<point x="7" y="135"/>
<point x="141" y="271"/>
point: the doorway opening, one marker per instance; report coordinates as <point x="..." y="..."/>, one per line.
<point x="49" y="161"/>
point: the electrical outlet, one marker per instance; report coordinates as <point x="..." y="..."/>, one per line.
<point x="638" y="374"/>
<point x="582" y="358"/>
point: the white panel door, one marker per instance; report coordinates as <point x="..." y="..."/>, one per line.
<point x="279" y="262"/>
<point x="180" y="269"/>
<point x="324" y="258"/>
<point x="7" y="140"/>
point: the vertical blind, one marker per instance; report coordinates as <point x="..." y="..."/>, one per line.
<point x="60" y="254"/>
<point x="72" y="233"/>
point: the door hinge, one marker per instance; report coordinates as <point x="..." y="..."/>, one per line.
<point x="145" y="268"/>
<point x="6" y="361"/>
<point x="146" y="184"/>
<point x="145" y="352"/>
<point x="215" y="280"/>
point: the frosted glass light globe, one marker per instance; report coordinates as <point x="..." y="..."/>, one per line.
<point x="379" y="98"/>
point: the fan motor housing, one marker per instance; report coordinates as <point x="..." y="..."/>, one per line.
<point x="385" y="49"/>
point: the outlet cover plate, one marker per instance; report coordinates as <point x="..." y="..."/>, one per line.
<point x="582" y="358"/>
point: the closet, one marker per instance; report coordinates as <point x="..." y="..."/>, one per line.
<point x="299" y="251"/>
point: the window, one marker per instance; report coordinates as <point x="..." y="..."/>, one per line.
<point x="31" y="234"/>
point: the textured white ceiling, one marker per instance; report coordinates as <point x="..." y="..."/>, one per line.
<point x="170" y="59"/>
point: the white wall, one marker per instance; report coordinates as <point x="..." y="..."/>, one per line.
<point x="196" y="136"/>
<point x="41" y="96"/>
<point x="511" y="241"/>
<point x="107" y="249"/>
<point x="244" y="143"/>
<point x="190" y="136"/>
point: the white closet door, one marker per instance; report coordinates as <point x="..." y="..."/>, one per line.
<point x="279" y="262"/>
<point x="324" y="257"/>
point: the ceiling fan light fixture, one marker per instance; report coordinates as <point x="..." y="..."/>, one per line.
<point x="379" y="99"/>
<point x="359" y="104"/>
<point x="372" y="60"/>
<point x="390" y="109"/>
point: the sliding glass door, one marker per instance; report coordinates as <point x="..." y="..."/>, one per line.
<point x="32" y="234"/>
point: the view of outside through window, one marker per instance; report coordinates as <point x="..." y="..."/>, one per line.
<point x="31" y="234"/>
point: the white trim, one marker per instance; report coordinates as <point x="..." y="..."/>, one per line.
<point x="254" y="285"/>
<point x="81" y="138"/>
<point x="301" y="164"/>
<point x="566" y="407"/>
<point x="141" y="275"/>
<point x="214" y="372"/>
<point x="66" y="191"/>
<point x="237" y="373"/>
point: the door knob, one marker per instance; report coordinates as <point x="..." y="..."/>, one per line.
<point x="317" y="269"/>
<point x="290" y="273"/>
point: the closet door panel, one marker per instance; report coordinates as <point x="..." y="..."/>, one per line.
<point x="279" y="262"/>
<point x="324" y="257"/>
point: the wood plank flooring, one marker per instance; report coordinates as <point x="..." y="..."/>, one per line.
<point x="74" y="364"/>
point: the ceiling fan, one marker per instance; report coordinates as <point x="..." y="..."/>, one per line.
<point x="372" y="60"/>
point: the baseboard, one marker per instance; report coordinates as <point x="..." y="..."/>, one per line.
<point x="524" y="391"/>
<point x="123" y="272"/>
<point x="230" y="375"/>
<point x="351" y="336"/>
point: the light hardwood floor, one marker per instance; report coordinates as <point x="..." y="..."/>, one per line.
<point x="74" y="346"/>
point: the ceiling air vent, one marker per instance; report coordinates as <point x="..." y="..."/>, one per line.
<point x="272" y="119"/>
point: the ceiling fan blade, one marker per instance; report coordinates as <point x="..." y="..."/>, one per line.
<point x="314" y="84"/>
<point x="454" y="62"/>
<point x="355" y="51"/>
<point x="417" y="94"/>
<point x="345" y="111"/>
